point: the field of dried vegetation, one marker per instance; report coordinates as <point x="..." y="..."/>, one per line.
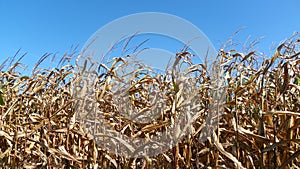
<point x="258" y="126"/>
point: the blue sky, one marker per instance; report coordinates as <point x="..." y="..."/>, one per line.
<point x="55" y="26"/>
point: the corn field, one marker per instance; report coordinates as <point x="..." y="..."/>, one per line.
<point x="258" y="127"/>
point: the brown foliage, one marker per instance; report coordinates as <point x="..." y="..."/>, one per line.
<point x="258" y="127"/>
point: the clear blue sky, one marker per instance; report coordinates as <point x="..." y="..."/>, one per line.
<point x="54" y="26"/>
